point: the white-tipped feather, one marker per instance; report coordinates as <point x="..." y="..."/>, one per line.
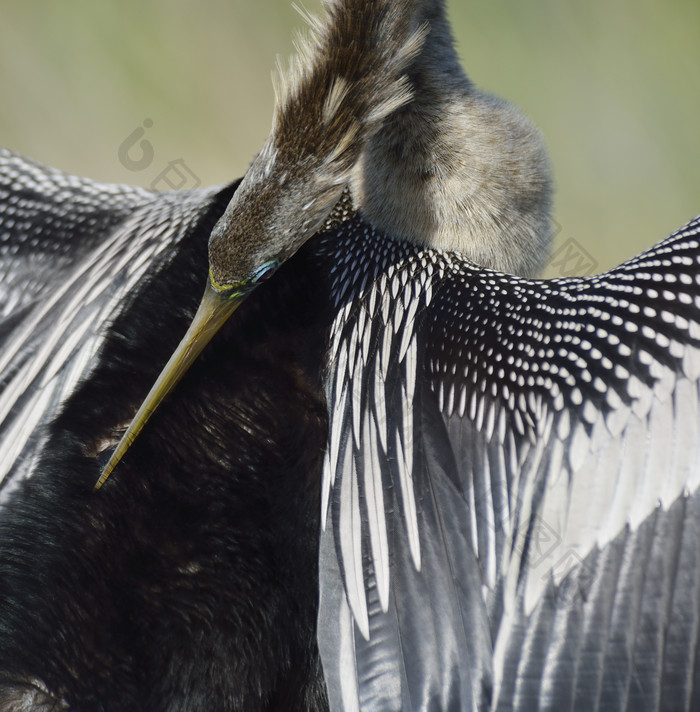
<point x="351" y="544"/>
<point x="374" y="498"/>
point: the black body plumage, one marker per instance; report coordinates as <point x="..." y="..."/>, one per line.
<point x="193" y="584"/>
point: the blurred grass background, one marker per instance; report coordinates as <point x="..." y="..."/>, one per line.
<point x="614" y="87"/>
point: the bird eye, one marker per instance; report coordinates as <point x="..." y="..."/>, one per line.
<point x="264" y="272"/>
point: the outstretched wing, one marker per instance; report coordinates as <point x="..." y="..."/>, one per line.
<point x="71" y="252"/>
<point x="511" y="488"/>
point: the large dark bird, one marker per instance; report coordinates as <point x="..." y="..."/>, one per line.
<point x="476" y="491"/>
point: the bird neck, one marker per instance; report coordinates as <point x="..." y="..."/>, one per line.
<point x="438" y="59"/>
<point x="457" y="169"/>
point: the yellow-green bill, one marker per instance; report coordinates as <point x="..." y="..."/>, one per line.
<point x="216" y="307"/>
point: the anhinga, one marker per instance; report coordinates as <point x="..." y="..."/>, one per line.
<point x="476" y="491"/>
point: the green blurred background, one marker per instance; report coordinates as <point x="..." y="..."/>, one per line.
<point x="614" y="87"/>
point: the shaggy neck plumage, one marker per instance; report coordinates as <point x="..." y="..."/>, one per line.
<point x="456" y="168"/>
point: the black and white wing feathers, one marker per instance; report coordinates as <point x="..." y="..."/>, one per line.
<point x="71" y="252"/>
<point x="401" y="584"/>
<point x="511" y="483"/>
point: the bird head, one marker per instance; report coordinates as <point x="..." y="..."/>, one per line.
<point x="347" y="77"/>
<point x="279" y="204"/>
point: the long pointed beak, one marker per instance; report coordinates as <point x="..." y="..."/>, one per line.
<point x="216" y="307"/>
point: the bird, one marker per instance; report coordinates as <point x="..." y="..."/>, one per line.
<point x="403" y="473"/>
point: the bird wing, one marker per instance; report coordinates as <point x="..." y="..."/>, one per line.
<point x="71" y="251"/>
<point x="511" y="488"/>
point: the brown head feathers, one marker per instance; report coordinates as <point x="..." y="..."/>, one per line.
<point x="376" y="98"/>
<point x="347" y="77"/>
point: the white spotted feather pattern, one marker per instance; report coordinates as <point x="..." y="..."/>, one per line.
<point x="559" y="418"/>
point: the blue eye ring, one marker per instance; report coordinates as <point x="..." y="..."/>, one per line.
<point x="264" y="272"/>
<point x="261" y="274"/>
